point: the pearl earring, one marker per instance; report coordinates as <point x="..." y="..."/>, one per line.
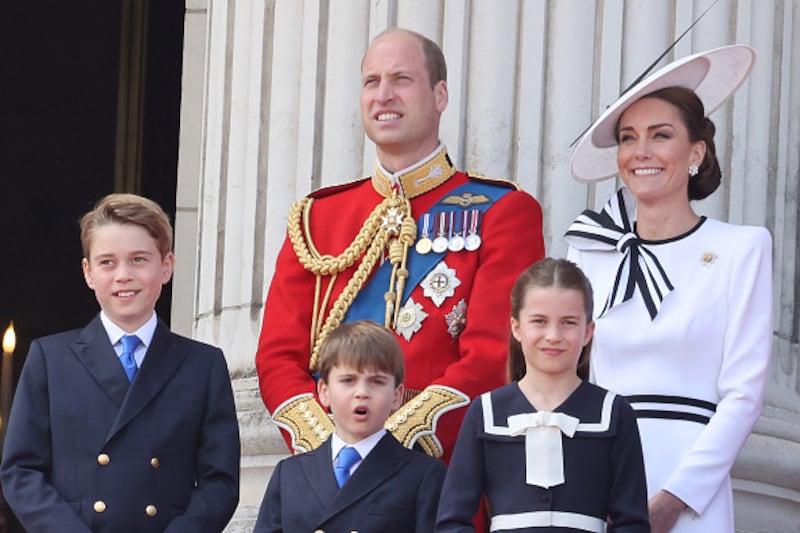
<point x="693" y="170"/>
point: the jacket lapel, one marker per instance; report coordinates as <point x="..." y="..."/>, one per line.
<point x="164" y="357"/>
<point x="318" y="469"/>
<point x="96" y="353"/>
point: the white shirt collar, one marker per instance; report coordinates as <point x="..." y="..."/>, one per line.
<point x="363" y="447"/>
<point x="115" y="333"/>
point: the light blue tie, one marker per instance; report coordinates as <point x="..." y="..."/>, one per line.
<point x="129" y="345"/>
<point x="347" y="458"/>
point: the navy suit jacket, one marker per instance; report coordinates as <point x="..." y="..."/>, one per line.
<point x="87" y="451"/>
<point x="394" y="490"/>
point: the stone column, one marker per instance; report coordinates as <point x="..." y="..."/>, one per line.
<point x="270" y="111"/>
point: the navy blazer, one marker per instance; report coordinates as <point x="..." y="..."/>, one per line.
<point x="87" y="451"/>
<point x="394" y="490"/>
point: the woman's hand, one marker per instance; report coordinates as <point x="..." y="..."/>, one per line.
<point x="664" y="508"/>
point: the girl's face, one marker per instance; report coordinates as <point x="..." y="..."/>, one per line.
<point x="654" y="152"/>
<point x="552" y="329"/>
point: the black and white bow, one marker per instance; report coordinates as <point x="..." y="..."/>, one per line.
<point x="611" y="229"/>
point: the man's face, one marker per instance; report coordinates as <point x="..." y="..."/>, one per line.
<point x="399" y="108"/>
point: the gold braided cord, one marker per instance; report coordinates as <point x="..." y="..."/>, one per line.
<point x="316" y="323"/>
<point x="408" y="234"/>
<point x="345" y="300"/>
<point x="370" y="242"/>
<point x="315" y="312"/>
<point x="317" y="263"/>
<point x="390" y="296"/>
<point x="323" y="305"/>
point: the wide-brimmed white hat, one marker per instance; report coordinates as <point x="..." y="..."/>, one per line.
<point x="713" y="75"/>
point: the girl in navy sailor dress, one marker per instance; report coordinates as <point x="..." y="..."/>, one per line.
<point x="549" y="451"/>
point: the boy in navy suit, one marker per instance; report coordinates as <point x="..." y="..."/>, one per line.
<point x="123" y="425"/>
<point x="361" y="479"/>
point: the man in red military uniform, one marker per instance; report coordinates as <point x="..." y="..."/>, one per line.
<point x="420" y="247"/>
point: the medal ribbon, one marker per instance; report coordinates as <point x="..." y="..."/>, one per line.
<point x="363" y="306"/>
<point x="611" y="229"/>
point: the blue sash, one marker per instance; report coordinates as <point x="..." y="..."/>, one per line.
<point x="370" y="303"/>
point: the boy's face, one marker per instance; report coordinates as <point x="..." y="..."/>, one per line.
<point x="360" y="401"/>
<point x="126" y="272"/>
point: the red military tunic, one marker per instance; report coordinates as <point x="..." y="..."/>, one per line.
<point x="448" y="362"/>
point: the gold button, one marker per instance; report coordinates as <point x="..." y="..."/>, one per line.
<point x="103" y="459"/>
<point x="154" y="462"/>
<point x="99" y="506"/>
<point x="150" y="510"/>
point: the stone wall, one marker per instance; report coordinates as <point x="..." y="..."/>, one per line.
<point x="270" y="112"/>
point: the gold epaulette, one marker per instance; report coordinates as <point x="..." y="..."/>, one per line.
<point x="306" y="421"/>
<point x="322" y="192"/>
<point x="494" y="181"/>
<point x="415" y="421"/>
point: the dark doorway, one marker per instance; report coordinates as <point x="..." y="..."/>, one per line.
<point x="59" y="87"/>
<point x="67" y="104"/>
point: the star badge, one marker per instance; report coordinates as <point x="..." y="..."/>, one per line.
<point x="440" y="283"/>
<point x="392" y="220"/>
<point x="409" y="319"/>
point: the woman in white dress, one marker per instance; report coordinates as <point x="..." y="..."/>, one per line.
<point x="683" y="302"/>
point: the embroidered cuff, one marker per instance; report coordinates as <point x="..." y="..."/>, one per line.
<point x="416" y="420"/>
<point x="305" y="420"/>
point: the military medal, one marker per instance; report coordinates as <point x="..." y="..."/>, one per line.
<point x="424" y="243"/>
<point x="392" y="220"/>
<point x="440" y="242"/>
<point x="457" y="319"/>
<point x="409" y="319"/>
<point x="456" y="243"/>
<point x="473" y="240"/>
<point x="440" y="283"/>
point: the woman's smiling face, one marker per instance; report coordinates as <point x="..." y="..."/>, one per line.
<point x="654" y="151"/>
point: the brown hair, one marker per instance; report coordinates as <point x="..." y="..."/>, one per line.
<point x="700" y="128"/>
<point x="549" y="272"/>
<point x="120" y="208"/>
<point x="362" y="344"/>
<point x="434" y="58"/>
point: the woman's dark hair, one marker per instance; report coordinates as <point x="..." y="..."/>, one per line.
<point x="700" y="128"/>
<point x="549" y="272"/>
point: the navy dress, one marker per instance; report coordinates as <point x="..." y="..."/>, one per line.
<point x="604" y="482"/>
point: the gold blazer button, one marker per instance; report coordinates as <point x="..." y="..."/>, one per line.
<point x="99" y="506"/>
<point x="103" y="459"/>
<point x="151" y="510"/>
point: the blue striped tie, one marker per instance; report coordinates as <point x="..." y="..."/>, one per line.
<point x="129" y="345"/>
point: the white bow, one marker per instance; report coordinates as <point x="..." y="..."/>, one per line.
<point x="610" y="229"/>
<point x="544" y="456"/>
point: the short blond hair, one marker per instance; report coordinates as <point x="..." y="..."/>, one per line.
<point x="132" y="209"/>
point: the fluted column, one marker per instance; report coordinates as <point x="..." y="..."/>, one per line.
<point x="270" y="111"/>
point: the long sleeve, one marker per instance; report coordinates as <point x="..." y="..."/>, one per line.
<point x="28" y="457"/>
<point x="463" y="484"/>
<point x="627" y="500"/>
<point x="742" y="374"/>
<point x="269" y="515"/>
<point x="216" y="493"/>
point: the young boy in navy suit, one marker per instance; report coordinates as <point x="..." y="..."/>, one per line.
<point x="361" y="479"/>
<point x="111" y="432"/>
